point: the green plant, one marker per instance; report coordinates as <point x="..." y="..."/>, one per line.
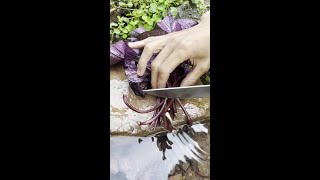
<point x="200" y="5"/>
<point x="146" y="13"/>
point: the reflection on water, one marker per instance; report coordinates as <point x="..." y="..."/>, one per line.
<point x="146" y="158"/>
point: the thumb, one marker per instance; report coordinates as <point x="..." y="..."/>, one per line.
<point x="194" y="75"/>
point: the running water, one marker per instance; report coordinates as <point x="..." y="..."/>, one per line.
<point x="146" y="158"/>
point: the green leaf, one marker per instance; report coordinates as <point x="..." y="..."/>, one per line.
<point x="150" y="21"/>
<point x="117" y="31"/>
<point x="156" y="18"/>
<point x="129" y="28"/>
<point x="164" y="13"/>
<point x="113" y="24"/>
<point x="162" y="7"/>
<point x="153" y="7"/>
<point x="124" y="36"/>
<point x="143" y="6"/>
<point x="122" y="4"/>
<point x="125" y="31"/>
<point x="148" y="27"/>
<point x="129" y="4"/>
<point x="125" y="19"/>
<point x="174" y="11"/>
<point x="140" y="24"/>
<point x="161" y="1"/>
<point x="144" y="17"/>
<point x="133" y="23"/>
<point x="135" y="13"/>
<point x="140" y="12"/>
<point x="119" y="19"/>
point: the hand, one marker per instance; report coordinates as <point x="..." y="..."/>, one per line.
<point x="175" y="48"/>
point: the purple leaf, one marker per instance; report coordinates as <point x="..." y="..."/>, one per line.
<point x="131" y="71"/>
<point x="186" y="67"/>
<point x="186" y="23"/>
<point x="138" y="31"/>
<point x="169" y="24"/>
<point x="121" y="51"/>
<point x="117" y="52"/>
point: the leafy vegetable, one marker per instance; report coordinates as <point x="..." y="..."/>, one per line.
<point x="165" y="109"/>
<point x="144" y="13"/>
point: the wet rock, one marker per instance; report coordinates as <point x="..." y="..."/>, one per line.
<point x="176" y="177"/>
<point x="189" y="11"/>
<point x="201" y="170"/>
<point x="185" y="166"/>
<point x="124" y="121"/>
<point x="192" y="169"/>
<point x="172" y="172"/>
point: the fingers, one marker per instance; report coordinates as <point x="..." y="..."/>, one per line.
<point x="166" y="51"/>
<point x="136" y="45"/>
<point x="145" y="57"/>
<point x="175" y="58"/>
<point x="148" y="51"/>
<point x="140" y="44"/>
<point x="195" y="75"/>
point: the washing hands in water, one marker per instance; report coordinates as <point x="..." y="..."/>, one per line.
<point x="190" y="44"/>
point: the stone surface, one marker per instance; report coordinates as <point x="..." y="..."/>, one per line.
<point x="176" y="177"/>
<point x="189" y="11"/>
<point x="124" y="120"/>
<point x="198" y="170"/>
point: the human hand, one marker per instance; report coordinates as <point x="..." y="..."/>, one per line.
<point x="175" y="48"/>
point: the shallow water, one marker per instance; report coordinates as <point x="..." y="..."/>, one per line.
<point x="153" y="157"/>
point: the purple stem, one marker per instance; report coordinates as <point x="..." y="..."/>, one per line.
<point x="154" y="118"/>
<point x="189" y="121"/>
<point x="125" y="99"/>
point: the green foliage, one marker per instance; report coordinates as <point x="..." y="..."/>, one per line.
<point x="146" y="13"/>
<point x="200" y="6"/>
<point x="206" y="78"/>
